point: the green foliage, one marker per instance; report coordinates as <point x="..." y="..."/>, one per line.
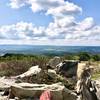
<point x="96" y="57"/>
<point x="71" y="57"/>
<point x="14" y="64"/>
<point x="96" y="76"/>
<point x="84" y="56"/>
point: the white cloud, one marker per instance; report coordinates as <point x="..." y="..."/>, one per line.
<point x="86" y="24"/>
<point x="36" y="5"/>
<point x="56" y="6"/>
<point x="63" y="30"/>
<point x="21" y="30"/>
<point x="17" y="3"/>
<point x="65" y="9"/>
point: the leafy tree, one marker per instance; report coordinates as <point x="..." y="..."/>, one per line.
<point x="84" y="56"/>
<point x="96" y="57"/>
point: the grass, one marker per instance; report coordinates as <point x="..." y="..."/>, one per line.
<point x="96" y="76"/>
<point x="15" y="64"/>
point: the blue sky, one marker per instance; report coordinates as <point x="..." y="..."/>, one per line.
<point x="90" y="8"/>
<point x="12" y="16"/>
<point x="72" y="22"/>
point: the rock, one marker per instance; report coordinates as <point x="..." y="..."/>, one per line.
<point x="4" y="98"/>
<point x="54" y="62"/>
<point x="69" y="95"/>
<point x="26" y="90"/>
<point x="97" y="85"/>
<point x="98" y="94"/>
<point x="4" y="86"/>
<point x="5" y="83"/>
<point x="81" y="69"/>
<point x="52" y="73"/>
<point x="85" y="87"/>
<point x="32" y="71"/>
<point x="67" y="68"/>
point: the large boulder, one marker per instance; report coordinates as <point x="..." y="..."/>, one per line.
<point x="67" y="68"/>
<point x="53" y="62"/>
<point x="5" y="83"/>
<point x="4" y="98"/>
<point x="34" y="70"/>
<point x="69" y="95"/>
<point x="26" y="90"/>
<point x="85" y="87"/>
<point x="81" y="70"/>
<point x="52" y="73"/>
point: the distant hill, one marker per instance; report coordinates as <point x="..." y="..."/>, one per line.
<point x="45" y="49"/>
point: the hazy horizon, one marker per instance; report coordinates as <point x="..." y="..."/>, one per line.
<point x="47" y="49"/>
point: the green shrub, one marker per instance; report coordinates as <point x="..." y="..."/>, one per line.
<point x="96" y="57"/>
<point x="14" y="64"/>
<point x="84" y="56"/>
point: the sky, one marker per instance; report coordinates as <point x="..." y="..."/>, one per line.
<point x="50" y="22"/>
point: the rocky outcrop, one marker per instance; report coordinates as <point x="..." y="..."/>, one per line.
<point x="5" y="83"/>
<point x="4" y="98"/>
<point x="67" y="68"/>
<point x="52" y="73"/>
<point x="34" y="70"/>
<point x="36" y="81"/>
<point x="97" y="85"/>
<point x="53" y="62"/>
<point x="26" y="90"/>
<point x="85" y="88"/>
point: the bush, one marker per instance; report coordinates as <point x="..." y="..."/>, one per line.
<point x="84" y="56"/>
<point x="71" y="57"/>
<point x="96" y="57"/>
<point x="16" y="64"/>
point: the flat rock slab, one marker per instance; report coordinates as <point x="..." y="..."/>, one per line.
<point x="5" y="83"/>
<point x="26" y="90"/>
<point x="4" y="98"/>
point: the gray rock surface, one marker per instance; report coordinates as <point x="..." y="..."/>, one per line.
<point x="27" y="91"/>
<point x="97" y="84"/>
<point x="59" y="92"/>
<point x="5" y="83"/>
<point x="34" y="70"/>
<point x="67" y="68"/>
<point x="54" y="62"/>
